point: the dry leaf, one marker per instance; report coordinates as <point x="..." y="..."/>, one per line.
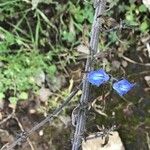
<point x="83" y="49"/>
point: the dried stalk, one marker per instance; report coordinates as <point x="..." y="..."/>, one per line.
<point x="82" y="113"/>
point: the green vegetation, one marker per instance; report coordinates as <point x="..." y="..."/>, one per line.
<point x="33" y="34"/>
<point x="30" y="38"/>
<point x="38" y="42"/>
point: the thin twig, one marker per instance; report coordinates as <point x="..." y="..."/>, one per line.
<point x="7" y="118"/>
<point x="134" y="62"/>
<point x="22" y="129"/>
<point x="49" y="119"/>
<point x="82" y="113"/>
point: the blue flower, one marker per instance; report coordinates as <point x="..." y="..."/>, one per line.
<point x="97" y="77"/>
<point x="122" y="86"/>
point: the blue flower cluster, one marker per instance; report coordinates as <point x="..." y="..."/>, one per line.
<point x="99" y="77"/>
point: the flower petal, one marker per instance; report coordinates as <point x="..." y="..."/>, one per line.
<point x="98" y="77"/>
<point x="122" y="86"/>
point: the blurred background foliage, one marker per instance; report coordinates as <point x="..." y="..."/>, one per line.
<point x="40" y="45"/>
<point x="41" y="35"/>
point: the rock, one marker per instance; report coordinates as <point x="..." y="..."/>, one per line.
<point x="124" y="63"/>
<point x="114" y="143"/>
<point x="41" y="133"/>
<point x="44" y="94"/>
<point x="115" y="64"/>
<point x="55" y="83"/>
<point x="147" y="79"/>
<point x="32" y="111"/>
<point x="40" y="78"/>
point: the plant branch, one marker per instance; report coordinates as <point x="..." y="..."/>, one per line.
<point x="82" y="113"/>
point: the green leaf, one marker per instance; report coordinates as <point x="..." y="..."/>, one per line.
<point x="2" y="96"/>
<point x="52" y="69"/>
<point x="130" y="17"/>
<point x="113" y="37"/>
<point x="10" y="38"/>
<point x="142" y="8"/>
<point x="3" y="47"/>
<point x="13" y="100"/>
<point x="68" y="36"/>
<point x="144" y="26"/>
<point x="35" y="3"/>
<point x="23" y="96"/>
